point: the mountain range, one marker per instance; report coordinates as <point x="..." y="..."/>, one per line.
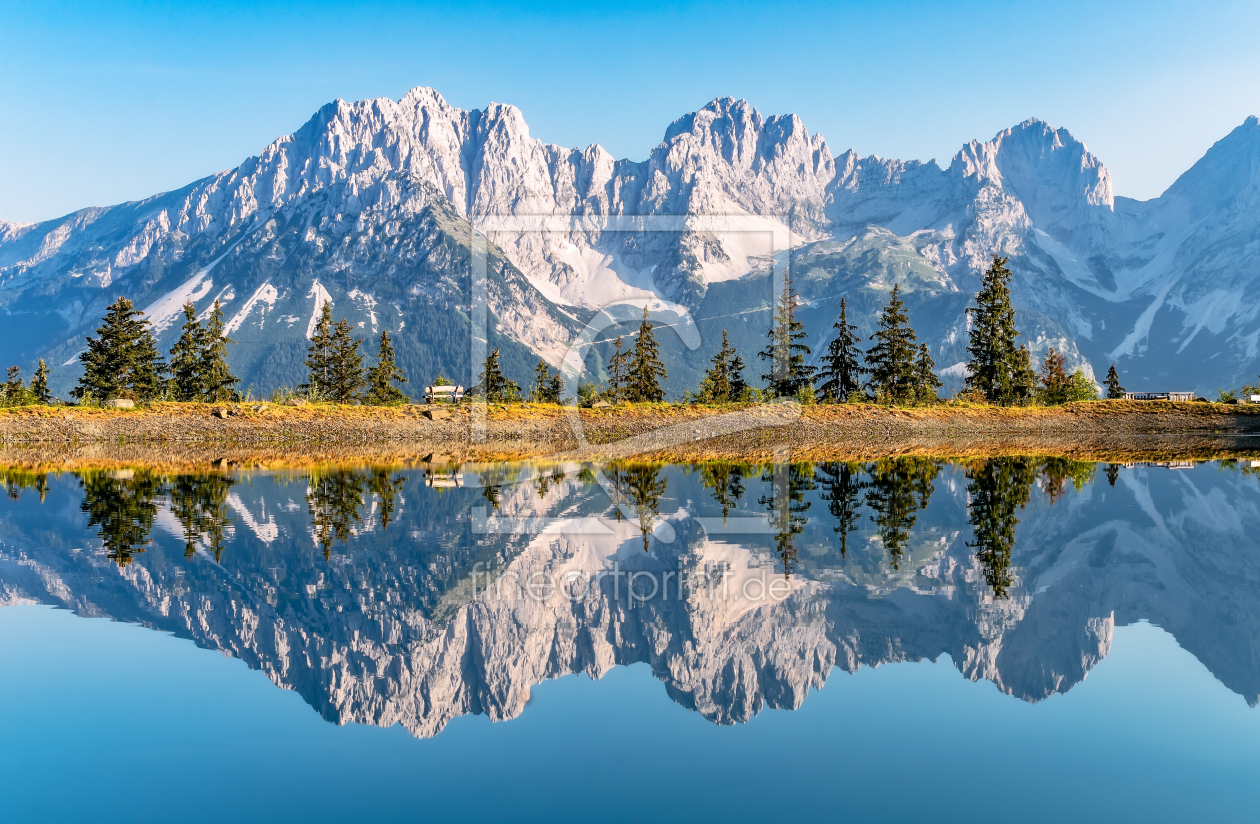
<point x="373" y="205"/>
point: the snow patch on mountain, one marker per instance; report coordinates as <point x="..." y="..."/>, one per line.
<point x="264" y="298"/>
<point x="163" y="312"/>
<point x="320" y="296"/>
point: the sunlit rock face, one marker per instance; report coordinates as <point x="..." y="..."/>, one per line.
<point x="423" y="610"/>
<point x="371" y="205"/>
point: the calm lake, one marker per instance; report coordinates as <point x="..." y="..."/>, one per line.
<point x="905" y="640"/>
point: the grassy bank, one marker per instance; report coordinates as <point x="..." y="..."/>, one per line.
<point x="269" y="433"/>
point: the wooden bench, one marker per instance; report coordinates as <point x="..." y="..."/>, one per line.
<point x="443" y="394"/>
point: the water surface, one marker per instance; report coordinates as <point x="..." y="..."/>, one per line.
<point x="898" y="640"/>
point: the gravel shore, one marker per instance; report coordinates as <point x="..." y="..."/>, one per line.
<point x="263" y="434"/>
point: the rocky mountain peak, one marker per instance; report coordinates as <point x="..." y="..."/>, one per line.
<point x="1228" y="169"/>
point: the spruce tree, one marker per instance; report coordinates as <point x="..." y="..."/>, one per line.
<point x="14" y="392"/>
<point x="842" y="370"/>
<point x="123" y="359"/>
<point x="1025" y="380"/>
<point x="187" y="378"/>
<point x="1055" y="382"/>
<point x="494" y="386"/>
<point x="735" y="374"/>
<point x="891" y="361"/>
<point x="616" y="391"/>
<point x="547" y="387"/>
<point x="382" y="377"/>
<point x="346" y="371"/>
<point x="39" y="384"/>
<point x="719" y="381"/>
<point x="1114" y="390"/>
<point x="220" y="383"/>
<point x="926" y="382"/>
<point x="784" y="350"/>
<point x="319" y="355"/>
<point x="994" y="364"/>
<point x="643" y="378"/>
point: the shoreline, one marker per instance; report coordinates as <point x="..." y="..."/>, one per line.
<point x="190" y="435"/>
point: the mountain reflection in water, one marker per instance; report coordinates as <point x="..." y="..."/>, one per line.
<point x="412" y="596"/>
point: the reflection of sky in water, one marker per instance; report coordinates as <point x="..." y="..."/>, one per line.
<point x="136" y="723"/>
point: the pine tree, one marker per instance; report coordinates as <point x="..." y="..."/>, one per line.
<point x="187" y="378"/>
<point x="1025" y="380"/>
<point x="382" y="377"/>
<point x="616" y="391"/>
<point x="123" y="360"/>
<point x="319" y="355"/>
<point x="842" y="372"/>
<point x="994" y="365"/>
<point x="891" y="360"/>
<point x="788" y="371"/>
<point x="547" y="387"/>
<point x="220" y="383"/>
<point x="14" y="392"/>
<point x="39" y="384"/>
<point x="719" y="382"/>
<point x="346" y="370"/>
<point x="494" y="386"/>
<point x="1054" y="379"/>
<point x="646" y="372"/>
<point x="926" y="382"/>
<point x="735" y="374"/>
<point x="1114" y="390"/>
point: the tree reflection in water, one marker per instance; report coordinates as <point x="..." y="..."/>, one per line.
<point x="638" y="486"/>
<point x="997" y="489"/>
<point x="199" y="503"/>
<point x="546" y="480"/>
<point x="843" y="493"/>
<point x="17" y="481"/>
<point x="1057" y="472"/>
<point x="897" y="490"/>
<point x="123" y="505"/>
<point x="388" y="489"/>
<point x="335" y="499"/>
<point x="727" y="482"/>
<point x="787" y="505"/>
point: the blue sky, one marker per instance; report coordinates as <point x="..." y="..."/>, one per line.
<point x="106" y="102"/>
